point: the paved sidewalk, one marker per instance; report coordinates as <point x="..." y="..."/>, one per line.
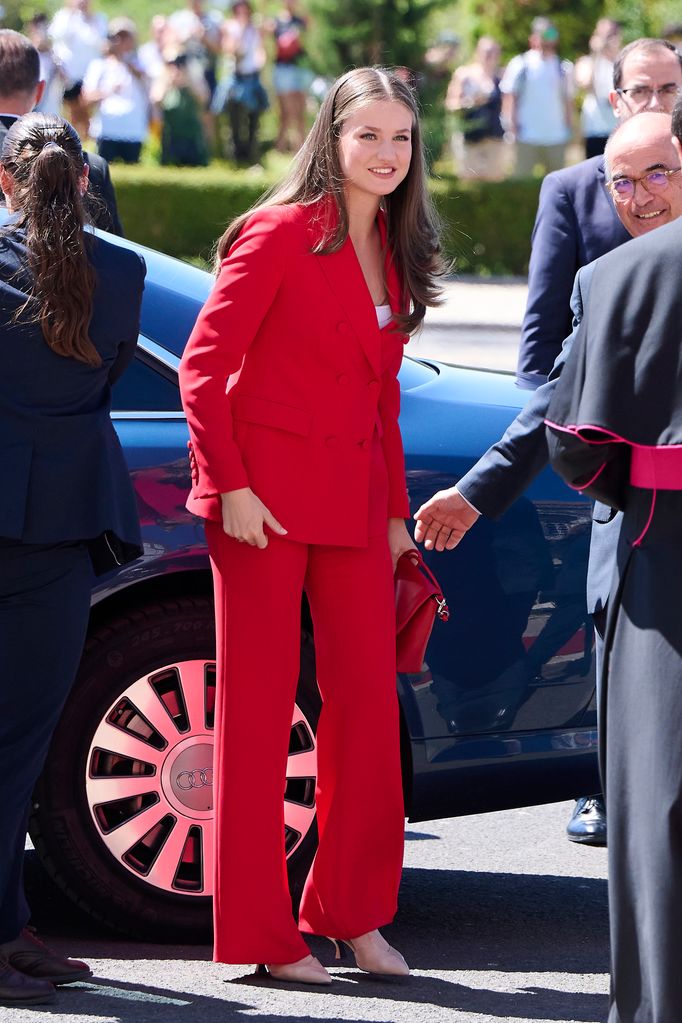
<point x="480" y="302"/>
<point x="478" y="325"/>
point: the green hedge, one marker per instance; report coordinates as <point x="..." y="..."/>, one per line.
<point x="487" y="225"/>
<point x="183" y="212"/>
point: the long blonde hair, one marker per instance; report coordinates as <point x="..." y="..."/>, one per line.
<point x="315" y="174"/>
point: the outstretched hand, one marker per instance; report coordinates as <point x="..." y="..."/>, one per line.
<point x="245" y="516"/>
<point x="443" y="520"/>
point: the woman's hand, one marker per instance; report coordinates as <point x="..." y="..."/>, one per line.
<point x="399" y="540"/>
<point x="244" y="517"/>
<point x="443" y="520"/>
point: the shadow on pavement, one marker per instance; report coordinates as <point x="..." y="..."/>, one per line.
<point x="471" y="920"/>
<point x="464" y="921"/>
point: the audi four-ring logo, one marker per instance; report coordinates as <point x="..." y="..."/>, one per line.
<point x="198" y="779"/>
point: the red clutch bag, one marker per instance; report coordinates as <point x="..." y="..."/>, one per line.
<point x="418" y="599"/>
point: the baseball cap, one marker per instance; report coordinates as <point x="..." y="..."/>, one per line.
<point x="546" y="29"/>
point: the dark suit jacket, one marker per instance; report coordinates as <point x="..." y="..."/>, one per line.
<point x="103" y="208"/>
<point x="509" y="467"/>
<point x="64" y="475"/>
<point x="575" y="224"/>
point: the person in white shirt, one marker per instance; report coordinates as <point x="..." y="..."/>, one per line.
<point x="50" y="71"/>
<point x="594" y="75"/>
<point x="78" y="36"/>
<point x="246" y="97"/>
<point x="538" y="101"/>
<point x="196" y="33"/>
<point x="119" y="88"/>
<point x="151" y="54"/>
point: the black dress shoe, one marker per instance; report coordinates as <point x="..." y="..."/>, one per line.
<point x="28" y="955"/>
<point x="588" y="823"/>
<point x="16" y="989"/>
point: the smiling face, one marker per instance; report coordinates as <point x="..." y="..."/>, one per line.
<point x="375" y="149"/>
<point x="642" y="145"/>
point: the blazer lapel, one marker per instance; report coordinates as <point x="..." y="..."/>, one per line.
<point x="393" y="285"/>
<point x="345" y="279"/>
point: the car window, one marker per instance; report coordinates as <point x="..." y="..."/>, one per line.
<point x="144" y="388"/>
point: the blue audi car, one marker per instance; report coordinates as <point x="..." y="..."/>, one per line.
<point x="502" y="714"/>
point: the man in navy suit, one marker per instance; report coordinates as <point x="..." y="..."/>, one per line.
<point x="20" y="91"/>
<point x="576" y="222"/>
<point x="638" y="147"/>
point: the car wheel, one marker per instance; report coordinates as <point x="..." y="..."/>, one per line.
<point x="123" y="813"/>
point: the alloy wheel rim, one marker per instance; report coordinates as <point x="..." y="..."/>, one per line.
<point x="149" y="778"/>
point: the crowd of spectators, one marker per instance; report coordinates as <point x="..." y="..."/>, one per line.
<point x="520" y="119"/>
<point x="196" y="84"/>
<point x="196" y="87"/>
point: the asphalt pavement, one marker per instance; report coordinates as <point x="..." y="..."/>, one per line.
<point x="501" y="919"/>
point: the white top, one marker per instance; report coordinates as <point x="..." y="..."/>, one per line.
<point x="187" y="25"/>
<point x="541" y="85"/>
<point x="151" y="59"/>
<point x="51" y="103"/>
<point x="249" y="46"/>
<point x="123" y="114"/>
<point x="597" y="117"/>
<point x="77" y="40"/>
<point x="384" y="315"/>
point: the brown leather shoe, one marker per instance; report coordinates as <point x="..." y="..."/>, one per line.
<point x="16" y="989"/>
<point x="28" y="955"/>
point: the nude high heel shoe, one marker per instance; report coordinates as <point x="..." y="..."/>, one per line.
<point x="373" y="954"/>
<point x="305" y="971"/>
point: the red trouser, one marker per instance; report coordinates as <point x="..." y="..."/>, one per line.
<point x="353" y="884"/>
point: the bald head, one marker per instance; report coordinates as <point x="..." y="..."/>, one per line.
<point x="648" y="128"/>
<point x="639" y="154"/>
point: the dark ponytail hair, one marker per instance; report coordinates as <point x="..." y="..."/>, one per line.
<point x="43" y="155"/>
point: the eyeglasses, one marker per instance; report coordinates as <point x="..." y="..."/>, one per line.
<point x="641" y="95"/>
<point x="623" y="189"/>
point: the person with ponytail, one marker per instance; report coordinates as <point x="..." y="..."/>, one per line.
<point x="69" y="317"/>
<point x="290" y="384"/>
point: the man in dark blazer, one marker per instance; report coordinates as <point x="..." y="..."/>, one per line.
<point x="20" y="90"/>
<point x="509" y="466"/>
<point x="576" y="222"/>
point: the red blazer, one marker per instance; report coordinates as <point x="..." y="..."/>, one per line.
<point x="285" y="378"/>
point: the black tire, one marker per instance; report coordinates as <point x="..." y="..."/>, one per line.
<point x="70" y="829"/>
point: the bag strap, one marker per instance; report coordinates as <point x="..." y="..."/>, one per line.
<point x="442" y="609"/>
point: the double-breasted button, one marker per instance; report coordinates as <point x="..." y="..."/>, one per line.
<point x="331" y="442"/>
<point x="373" y="386"/>
<point x="364" y="444"/>
<point x="343" y="327"/>
<point x="342" y="379"/>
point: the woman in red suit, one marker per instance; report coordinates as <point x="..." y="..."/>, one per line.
<point x="289" y="381"/>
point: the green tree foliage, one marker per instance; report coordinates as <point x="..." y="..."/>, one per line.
<point x="352" y="33"/>
<point x="643" y="17"/>
<point x="509" y="22"/>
